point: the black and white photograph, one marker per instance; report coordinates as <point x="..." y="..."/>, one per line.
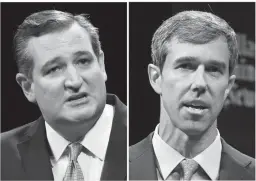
<point x="64" y="72"/>
<point x="127" y="90"/>
<point x="191" y="91"/>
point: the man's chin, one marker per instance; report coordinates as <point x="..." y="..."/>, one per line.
<point x="80" y="116"/>
<point x="192" y="128"/>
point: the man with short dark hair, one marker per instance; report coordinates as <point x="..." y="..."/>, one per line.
<point x="194" y="54"/>
<point x="81" y="134"/>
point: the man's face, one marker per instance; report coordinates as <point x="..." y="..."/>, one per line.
<point x="68" y="80"/>
<point x="194" y="83"/>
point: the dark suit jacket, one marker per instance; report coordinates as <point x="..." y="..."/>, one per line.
<point x="25" y="150"/>
<point x="233" y="166"/>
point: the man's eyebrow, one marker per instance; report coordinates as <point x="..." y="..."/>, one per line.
<point x="58" y="59"/>
<point x="80" y="53"/>
<point x="187" y="59"/>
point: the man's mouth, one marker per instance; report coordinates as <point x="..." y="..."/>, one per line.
<point x="196" y="107"/>
<point x="76" y="97"/>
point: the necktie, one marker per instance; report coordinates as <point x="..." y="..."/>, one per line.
<point x="74" y="171"/>
<point x="189" y="167"/>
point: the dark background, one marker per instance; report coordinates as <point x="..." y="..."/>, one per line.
<point x="235" y="123"/>
<point x="110" y="18"/>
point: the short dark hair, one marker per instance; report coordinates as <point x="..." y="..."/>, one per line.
<point x="43" y="22"/>
<point x="194" y="27"/>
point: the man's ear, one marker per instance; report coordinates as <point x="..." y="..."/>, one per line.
<point x="231" y="82"/>
<point x="102" y="65"/>
<point x="27" y="86"/>
<point x="155" y="78"/>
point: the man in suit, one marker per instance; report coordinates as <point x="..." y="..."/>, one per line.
<point x="194" y="54"/>
<point x="81" y="134"/>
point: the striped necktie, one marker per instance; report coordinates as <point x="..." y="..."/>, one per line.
<point x="74" y="171"/>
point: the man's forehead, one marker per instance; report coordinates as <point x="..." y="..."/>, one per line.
<point x="216" y="49"/>
<point x="72" y="35"/>
<point x="180" y="40"/>
<point x="59" y="44"/>
<point x="175" y="41"/>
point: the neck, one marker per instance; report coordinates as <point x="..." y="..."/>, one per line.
<point x="187" y="145"/>
<point x="74" y="131"/>
<point x="76" y="134"/>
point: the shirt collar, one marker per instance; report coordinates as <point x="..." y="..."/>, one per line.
<point x="57" y="143"/>
<point x="209" y="159"/>
<point x="96" y="140"/>
<point x="168" y="158"/>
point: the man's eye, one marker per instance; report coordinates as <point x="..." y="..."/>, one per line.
<point x="53" y="69"/>
<point x="83" y="61"/>
<point x="186" y="66"/>
<point x="213" y="69"/>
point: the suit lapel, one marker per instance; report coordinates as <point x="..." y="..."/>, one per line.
<point x="231" y="169"/>
<point x="116" y="156"/>
<point x="33" y="150"/>
<point x="143" y="166"/>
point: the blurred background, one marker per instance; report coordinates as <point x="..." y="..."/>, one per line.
<point x="110" y="18"/>
<point x="236" y="122"/>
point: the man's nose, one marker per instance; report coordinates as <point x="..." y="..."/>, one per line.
<point x="199" y="84"/>
<point x="73" y="79"/>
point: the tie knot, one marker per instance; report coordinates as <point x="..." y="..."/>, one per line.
<point x="189" y="167"/>
<point x="74" y="150"/>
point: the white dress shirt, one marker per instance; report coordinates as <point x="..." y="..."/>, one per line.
<point x="168" y="158"/>
<point x="95" y="142"/>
